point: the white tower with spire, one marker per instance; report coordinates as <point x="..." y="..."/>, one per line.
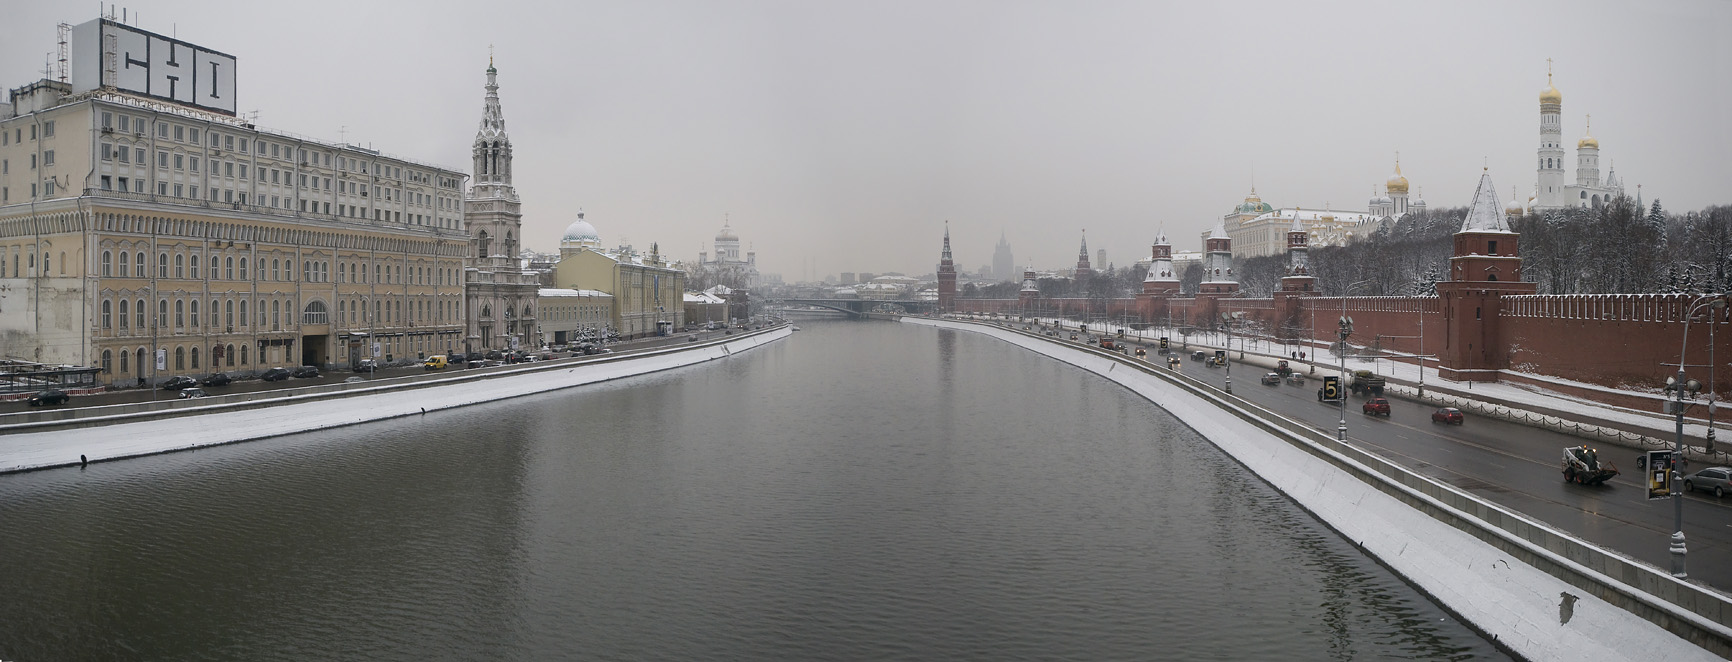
<point x="500" y="297"/>
<point x="1551" y="155"/>
<point x="1588" y="158"/>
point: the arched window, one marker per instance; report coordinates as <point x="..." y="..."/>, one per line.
<point x="108" y="361"/>
<point x="243" y="315"/>
<point x="125" y="265"/>
<point x="123" y="311"/>
<point x="108" y="263"/>
<point x="123" y="356"/>
<point x="228" y="268"/>
<point x="162" y="265"/>
<point x="194" y="312"/>
<point x="275" y="274"/>
<point x="107" y="314"/>
<point x="180" y="358"/>
<point x="162" y="314"/>
<point x="243" y="354"/>
<point x="276" y="315"/>
<point x="192" y="265"/>
<point x="215" y="307"/>
<point x="195" y="358"/>
<point x="342" y="310"/>
<point x="1491" y="277"/>
<point x="229" y="314"/>
<point x="229" y="356"/>
<point x="315" y="313"/>
<point x="180" y="266"/>
<point x="140" y="312"/>
<point x="244" y="269"/>
<point x="179" y="313"/>
<point x="486" y="311"/>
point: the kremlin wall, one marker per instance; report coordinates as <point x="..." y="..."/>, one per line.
<point x="1484" y="325"/>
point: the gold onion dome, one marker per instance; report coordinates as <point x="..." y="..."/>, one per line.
<point x="1588" y="142"/>
<point x="1551" y="94"/>
<point x="1396" y="183"/>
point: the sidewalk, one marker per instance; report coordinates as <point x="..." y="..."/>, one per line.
<point x="1520" y="403"/>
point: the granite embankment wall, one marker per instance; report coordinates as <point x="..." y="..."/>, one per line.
<point x="1505" y="573"/>
<point x="38" y="440"/>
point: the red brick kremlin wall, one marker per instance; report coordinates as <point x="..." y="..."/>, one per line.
<point x="1613" y="340"/>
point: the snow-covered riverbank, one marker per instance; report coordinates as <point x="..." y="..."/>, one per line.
<point x="130" y="435"/>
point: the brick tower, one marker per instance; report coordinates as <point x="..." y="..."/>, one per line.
<point x="1486" y="267"/>
<point x="946" y="276"/>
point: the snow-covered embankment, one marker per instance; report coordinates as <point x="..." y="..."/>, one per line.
<point x="1514" y="588"/>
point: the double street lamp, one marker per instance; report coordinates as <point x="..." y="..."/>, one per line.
<point x="1678" y="385"/>
<point x="1345" y="329"/>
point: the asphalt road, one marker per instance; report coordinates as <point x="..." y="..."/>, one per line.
<point x="1517" y="466"/>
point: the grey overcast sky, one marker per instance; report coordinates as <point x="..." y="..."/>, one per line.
<point x="840" y="136"/>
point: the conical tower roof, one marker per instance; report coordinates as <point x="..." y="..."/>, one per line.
<point x="1484" y="214"/>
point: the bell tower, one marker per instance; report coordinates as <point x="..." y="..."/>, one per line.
<point x="946" y="275"/>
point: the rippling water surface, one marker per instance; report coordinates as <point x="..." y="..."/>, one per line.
<point x="858" y="491"/>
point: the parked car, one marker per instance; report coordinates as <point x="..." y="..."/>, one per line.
<point x="189" y="393"/>
<point x="275" y="374"/>
<point x="435" y="362"/>
<point x="217" y="379"/>
<point x="1447" y="415"/>
<point x="304" y="372"/>
<point x="178" y="383"/>
<point x="367" y="364"/>
<point x="51" y="396"/>
<point x="1713" y="479"/>
<point x="1376" y="406"/>
<point x="1272" y="379"/>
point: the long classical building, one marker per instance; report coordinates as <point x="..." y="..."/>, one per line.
<point x="644" y="294"/>
<point x="150" y="235"/>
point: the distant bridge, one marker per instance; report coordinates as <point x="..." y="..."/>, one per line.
<point x="859" y="308"/>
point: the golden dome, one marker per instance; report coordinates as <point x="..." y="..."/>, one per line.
<point x="1396" y="183"/>
<point x="1551" y="95"/>
<point x="1588" y="142"/>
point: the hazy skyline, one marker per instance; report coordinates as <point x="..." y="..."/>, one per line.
<point x="848" y="133"/>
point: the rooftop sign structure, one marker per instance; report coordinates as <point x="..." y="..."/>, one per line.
<point x="107" y="54"/>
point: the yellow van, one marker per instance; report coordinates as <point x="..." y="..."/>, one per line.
<point x="435" y="362"/>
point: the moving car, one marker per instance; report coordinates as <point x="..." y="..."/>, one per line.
<point x="189" y="393"/>
<point x="1447" y="415"/>
<point x="1582" y="465"/>
<point x="275" y="375"/>
<point x="1376" y="406"/>
<point x="1199" y="355"/>
<point x="51" y="396"/>
<point x="1141" y="353"/>
<point x="1073" y="336"/>
<point x="304" y="372"/>
<point x="178" y="383"/>
<point x="217" y="379"/>
<point x="1713" y="479"/>
<point x="435" y="362"/>
<point x="1272" y="379"/>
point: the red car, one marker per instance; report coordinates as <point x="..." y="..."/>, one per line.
<point x="1376" y="406"/>
<point x="1447" y="415"/>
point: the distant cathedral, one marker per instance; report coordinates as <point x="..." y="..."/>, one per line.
<point x="727" y="267"/>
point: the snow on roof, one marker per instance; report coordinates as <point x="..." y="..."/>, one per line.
<point x="1484" y="214"/>
<point x="1315" y="216"/>
<point x="703" y="297"/>
<point x="566" y="292"/>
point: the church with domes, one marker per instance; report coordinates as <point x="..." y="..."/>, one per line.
<point x="1552" y="190"/>
<point x="727" y="267"/>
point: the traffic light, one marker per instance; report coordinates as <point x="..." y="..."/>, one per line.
<point x="1331" y="388"/>
<point x="1163" y="342"/>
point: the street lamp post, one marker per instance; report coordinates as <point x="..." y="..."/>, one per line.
<point x="1227" y="321"/>
<point x="1346" y="329"/>
<point x="1678" y="385"/>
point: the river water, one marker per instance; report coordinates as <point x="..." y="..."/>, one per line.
<point x="862" y="490"/>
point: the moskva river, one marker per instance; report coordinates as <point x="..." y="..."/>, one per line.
<point x="860" y="491"/>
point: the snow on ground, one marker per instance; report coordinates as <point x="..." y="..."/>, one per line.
<point x="1519" y="396"/>
<point x="225" y="424"/>
<point x="1516" y="603"/>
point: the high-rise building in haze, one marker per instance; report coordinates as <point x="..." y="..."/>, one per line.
<point x="1003" y="262"/>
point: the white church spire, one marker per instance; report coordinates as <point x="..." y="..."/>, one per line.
<point x="492" y="149"/>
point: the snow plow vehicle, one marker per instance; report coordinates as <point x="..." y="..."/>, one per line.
<point x="1583" y="465"/>
<point x="1366" y="383"/>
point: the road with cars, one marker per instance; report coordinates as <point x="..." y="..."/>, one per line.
<point x="1517" y="466"/>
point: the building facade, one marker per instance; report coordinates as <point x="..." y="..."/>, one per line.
<point x="569" y="316"/>
<point x="499" y="290"/>
<point x="647" y="293"/>
<point x="152" y="239"/>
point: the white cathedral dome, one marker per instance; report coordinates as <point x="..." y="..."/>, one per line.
<point x="581" y="232"/>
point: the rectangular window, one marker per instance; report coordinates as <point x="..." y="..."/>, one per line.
<point x="179" y="133"/>
<point x="138" y="155"/>
<point x="214" y="166"/>
<point x="48" y="129"/>
<point x="228" y="168"/>
<point x="161" y="130"/>
<point x="162" y="188"/>
<point x="107" y="183"/>
<point x="125" y="185"/>
<point x="179" y="162"/>
<point x="138" y="185"/>
<point x="229" y="142"/>
<point x="48" y="157"/>
<point x="107" y="152"/>
<point x="125" y="121"/>
<point x="243" y="171"/>
<point x="192" y="136"/>
<point x="179" y="191"/>
<point x="192" y="191"/>
<point x="107" y="120"/>
<point x="161" y="159"/>
<point x="194" y="163"/>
